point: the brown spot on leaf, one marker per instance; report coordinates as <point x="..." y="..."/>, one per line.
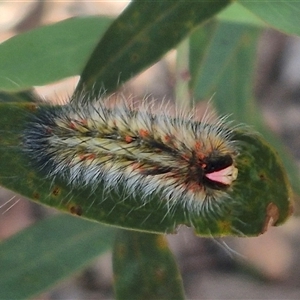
<point x="272" y="216"/>
<point x="120" y="250"/>
<point x="161" y="242"/>
<point x="224" y="226"/>
<point x="36" y="196"/>
<point x="76" y="210"/>
<point x="31" y="107"/>
<point x="134" y="57"/>
<point x="160" y="274"/>
<point x="56" y="191"/>
<point x="262" y="176"/>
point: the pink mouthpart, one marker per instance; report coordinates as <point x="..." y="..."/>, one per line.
<point x="224" y="176"/>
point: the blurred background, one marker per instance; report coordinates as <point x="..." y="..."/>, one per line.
<point x="265" y="267"/>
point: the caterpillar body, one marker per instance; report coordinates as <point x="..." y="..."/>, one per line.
<point x="155" y="165"/>
<point x="89" y="143"/>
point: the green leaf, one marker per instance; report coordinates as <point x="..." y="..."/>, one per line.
<point x="27" y="95"/>
<point x="237" y="13"/>
<point x="144" y="268"/>
<point x="235" y="85"/>
<point x="225" y="39"/>
<point x="228" y="74"/>
<point x="244" y="212"/>
<point x="40" y="256"/>
<point x="49" y="53"/>
<point x="281" y="14"/>
<point x="140" y="36"/>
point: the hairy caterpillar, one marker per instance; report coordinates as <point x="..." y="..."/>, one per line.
<point x="143" y="167"/>
<point x="90" y="143"/>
